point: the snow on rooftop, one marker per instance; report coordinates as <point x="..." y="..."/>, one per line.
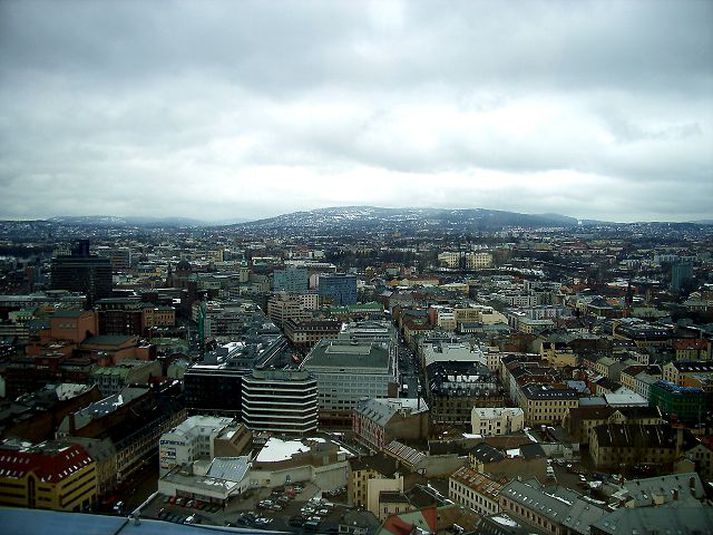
<point x="504" y="520"/>
<point x="276" y="450"/>
<point x="345" y="452"/>
<point x="529" y="435"/>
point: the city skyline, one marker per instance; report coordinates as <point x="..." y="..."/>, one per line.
<point x="220" y="111"/>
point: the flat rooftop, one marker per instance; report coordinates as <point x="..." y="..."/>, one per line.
<point x="340" y="354"/>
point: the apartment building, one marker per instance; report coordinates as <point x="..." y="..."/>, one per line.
<point x="626" y="446"/>
<point x="474" y="490"/>
<point x="492" y="421"/>
<point x="50" y="475"/>
<point x="376" y="422"/>
<point x="306" y="333"/>
<point x="546" y="404"/>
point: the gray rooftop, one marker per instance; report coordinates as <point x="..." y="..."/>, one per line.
<point x="687" y="486"/>
<point x="382" y="410"/>
<point x="681" y="518"/>
<point x="229" y="468"/>
<point x="338" y="354"/>
<point x="40" y="522"/>
<point x="559" y="504"/>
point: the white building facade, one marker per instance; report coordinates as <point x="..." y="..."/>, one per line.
<point x="492" y="421"/>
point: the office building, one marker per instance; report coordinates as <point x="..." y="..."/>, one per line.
<point x="281" y="401"/>
<point x="283" y="306"/>
<point x="678" y="403"/>
<point x="198" y="438"/>
<point x="215" y="385"/>
<point x="82" y="272"/>
<point x="290" y="280"/>
<point x="214" y="389"/>
<point x="347" y="372"/>
<point x="681" y="273"/>
<point x="338" y="289"/>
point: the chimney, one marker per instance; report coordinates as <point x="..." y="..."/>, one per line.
<point x="679" y="440"/>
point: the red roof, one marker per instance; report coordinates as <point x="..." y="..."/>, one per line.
<point x="398" y="526"/>
<point x="690" y="343"/>
<point x="49" y="462"/>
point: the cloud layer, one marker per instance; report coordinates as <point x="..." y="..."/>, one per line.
<point x="219" y="110"/>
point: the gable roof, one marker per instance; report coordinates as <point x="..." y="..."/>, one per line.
<point x="51" y="462"/>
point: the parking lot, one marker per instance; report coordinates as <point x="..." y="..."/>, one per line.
<point x="295" y="508"/>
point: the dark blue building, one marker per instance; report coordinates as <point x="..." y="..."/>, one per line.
<point x="338" y="289"/>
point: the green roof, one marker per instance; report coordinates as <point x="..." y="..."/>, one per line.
<point x="371" y="306"/>
<point x="108" y="340"/>
<point x="67" y="313"/>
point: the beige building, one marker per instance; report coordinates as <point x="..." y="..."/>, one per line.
<point x="478" y="314"/>
<point x="445" y="317"/>
<point x="619" y="446"/>
<point x="471" y="259"/>
<point x="283" y="306"/>
<point x="497" y="420"/>
<point x="581" y="421"/>
<point x="676" y="371"/>
<point x="373" y="483"/>
<point x="476" y="491"/>
<point x="481" y="260"/>
<point x="449" y="259"/>
<point x="547" y="404"/>
<point x="558" y="355"/>
<point x="305" y="334"/>
<point x="393" y="502"/>
<point x="284" y="461"/>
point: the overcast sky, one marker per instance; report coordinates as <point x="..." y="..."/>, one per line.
<point x="221" y="110"/>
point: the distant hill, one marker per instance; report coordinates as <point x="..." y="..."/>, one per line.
<point x="114" y="221"/>
<point x="402" y="219"/>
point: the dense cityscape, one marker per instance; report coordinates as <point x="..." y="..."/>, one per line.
<point x="359" y="371"/>
<point x="356" y="267"/>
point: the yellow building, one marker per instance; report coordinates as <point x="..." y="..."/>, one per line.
<point x="478" y="314"/>
<point x="54" y="475"/>
<point x="545" y="404"/>
<point x="676" y="372"/>
<point x="368" y="478"/>
<point x="558" y="355"/>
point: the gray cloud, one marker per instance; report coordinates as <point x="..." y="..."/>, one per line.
<point x="223" y="109"/>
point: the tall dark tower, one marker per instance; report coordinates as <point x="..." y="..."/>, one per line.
<point x="83" y="272"/>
